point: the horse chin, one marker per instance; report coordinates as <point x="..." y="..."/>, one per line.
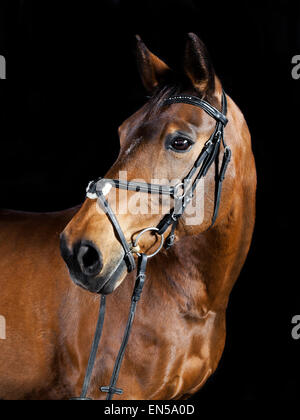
<point x="105" y="284"/>
<point x="110" y="282"/>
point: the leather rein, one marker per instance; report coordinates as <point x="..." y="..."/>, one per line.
<point x="182" y="194"/>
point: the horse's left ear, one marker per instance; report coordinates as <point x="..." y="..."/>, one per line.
<point x="198" y="66"/>
<point x="152" y="69"/>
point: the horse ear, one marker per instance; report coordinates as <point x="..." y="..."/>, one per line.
<point x="198" y="66"/>
<point x="153" y="70"/>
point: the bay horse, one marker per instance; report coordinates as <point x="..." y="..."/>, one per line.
<point x="178" y="334"/>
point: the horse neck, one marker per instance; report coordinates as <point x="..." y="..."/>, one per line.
<point x="179" y="272"/>
<point x="198" y="271"/>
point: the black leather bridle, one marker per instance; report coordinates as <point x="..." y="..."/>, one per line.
<point x="182" y="194"/>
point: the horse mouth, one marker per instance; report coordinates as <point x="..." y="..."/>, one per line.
<point x="104" y="284"/>
<point x="113" y="280"/>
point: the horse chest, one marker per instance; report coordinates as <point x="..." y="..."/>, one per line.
<point x="166" y="364"/>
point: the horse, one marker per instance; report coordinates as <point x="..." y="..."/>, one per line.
<point x="179" y="330"/>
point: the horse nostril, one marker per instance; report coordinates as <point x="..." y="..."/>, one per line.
<point x="89" y="259"/>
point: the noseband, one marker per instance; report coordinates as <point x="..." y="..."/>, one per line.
<point x="96" y="190"/>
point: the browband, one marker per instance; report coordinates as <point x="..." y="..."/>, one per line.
<point x="209" y="109"/>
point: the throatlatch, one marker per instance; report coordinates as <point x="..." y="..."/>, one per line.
<point x="96" y="190"/>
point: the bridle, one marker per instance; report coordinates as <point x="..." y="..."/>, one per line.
<point x="95" y="190"/>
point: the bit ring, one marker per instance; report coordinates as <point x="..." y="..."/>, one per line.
<point x="149" y="229"/>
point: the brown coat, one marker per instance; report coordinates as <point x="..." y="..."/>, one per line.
<point x="179" y="330"/>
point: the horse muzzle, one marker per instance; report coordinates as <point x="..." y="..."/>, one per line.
<point x="85" y="263"/>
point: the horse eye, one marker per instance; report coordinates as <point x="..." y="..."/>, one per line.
<point x="181" y="144"/>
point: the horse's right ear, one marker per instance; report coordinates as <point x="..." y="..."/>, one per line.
<point x="153" y="70"/>
<point x="198" y="66"/>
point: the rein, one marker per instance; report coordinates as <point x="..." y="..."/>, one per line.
<point x="96" y="190"/>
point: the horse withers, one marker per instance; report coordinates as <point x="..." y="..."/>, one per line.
<point x="178" y="334"/>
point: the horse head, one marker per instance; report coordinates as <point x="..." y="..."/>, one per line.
<point x="158" y="145"/>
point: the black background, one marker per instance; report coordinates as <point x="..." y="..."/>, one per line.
<point x="72" y="79"/>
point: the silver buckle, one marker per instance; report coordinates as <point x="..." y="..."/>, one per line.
<point x="176" y="191"/>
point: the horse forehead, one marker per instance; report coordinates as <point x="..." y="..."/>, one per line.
<point x="161" y="126"/>
<point x="187" y="115"/>
<point x="181" y="117"/>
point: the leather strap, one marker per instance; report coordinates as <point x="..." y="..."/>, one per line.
<point x="128" y="257"/>
<point x="139" y="284"/>
<point x="193" y="100"/>
<point x="221" y="177"/>
<point x="112" y="388"/>
<point x="143" y="187"/>
<point x="206" y="158"/>
<point x="94" y="349"/>
<point x="171" y="237"/>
